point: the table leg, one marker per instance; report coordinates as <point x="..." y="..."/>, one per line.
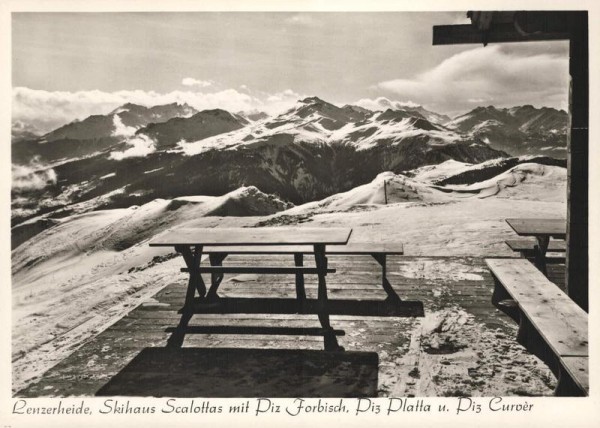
<point x="196" y="283"/>
<point x="540" y="253"/>
<point x="216" y="259"/>
<point x="300" y="291"/>
<point x="331" y="343"/>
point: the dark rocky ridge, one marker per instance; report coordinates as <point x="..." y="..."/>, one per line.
<point x="485" y="173"/>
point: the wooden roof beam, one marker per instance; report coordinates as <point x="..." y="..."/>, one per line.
<point x="502" y="27"/>
<point x="500" y="33"/>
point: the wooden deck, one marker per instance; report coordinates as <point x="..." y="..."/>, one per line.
<point x="460" y="345"/>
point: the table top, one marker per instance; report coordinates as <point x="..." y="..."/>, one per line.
<point x="253" y="236"/>
<point x="556" y="228"/>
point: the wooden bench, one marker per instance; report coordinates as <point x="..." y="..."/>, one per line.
<point x="526" y="248"/>
<point x="551" y="325"/>
<point x="378" y="250"/>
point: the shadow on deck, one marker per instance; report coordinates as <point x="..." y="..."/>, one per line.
<point x="231" y="372"/>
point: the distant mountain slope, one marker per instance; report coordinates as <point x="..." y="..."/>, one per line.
<point x="523" y="130"/>
<point x="95" y="133"/>
<point x="128" y="115"/>
<point x="197" y="127"/>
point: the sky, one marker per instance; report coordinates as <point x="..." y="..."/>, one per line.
<point x="67" y="66"/>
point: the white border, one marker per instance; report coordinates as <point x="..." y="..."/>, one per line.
<point x="548" y="411"/>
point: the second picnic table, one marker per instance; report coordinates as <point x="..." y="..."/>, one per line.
<point x="191" y="242"/>
<point x="542" y="229"/>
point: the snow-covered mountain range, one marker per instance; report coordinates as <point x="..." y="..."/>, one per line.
<point x="523" y="130"/>
<point x="136" y="154"/>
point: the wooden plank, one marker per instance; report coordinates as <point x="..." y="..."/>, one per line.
<point x="560" y="321"/>
<point x="253" y="236"/>
<point x="529" y="244"/>
<point x="352" y="248"/>
<point x="500" y="33"/>
<point x="556" y="228"/>
<point x="578" y="369"/>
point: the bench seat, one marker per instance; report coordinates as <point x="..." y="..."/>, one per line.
<point x="529" y="244"/>
<point x="526" y="249"/>
<point x="258" y="270"/>
<point x="551" y="325"/>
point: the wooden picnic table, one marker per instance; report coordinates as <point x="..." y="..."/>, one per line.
<point x="191" y="242"/>
<point x="542" y="229"/>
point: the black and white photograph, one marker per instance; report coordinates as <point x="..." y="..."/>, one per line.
<point x="359" y="210"/>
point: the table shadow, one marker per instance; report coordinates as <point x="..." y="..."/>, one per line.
<point x="236" y="372"/>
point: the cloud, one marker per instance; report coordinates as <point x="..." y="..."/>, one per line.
<point x="47" y="110"/>
<point x="122" y="130"/>
<point x="32" y="177"/>
<point x="141" y="145"/>
<point x="190" y="81"/>
<point x="498" y="75"/>
<point x="382" y="103"/>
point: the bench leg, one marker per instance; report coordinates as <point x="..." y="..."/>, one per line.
<point x="566" y="386"/>
<point x="525" y="329"/>
<point x="530" y="339"/>
<point x="216" y="259"/>
<point x="331" y="343"/>
<point x="504" y="302"/>
<point x="300" y="291"/>
<point x="540" y="253"/>
<point x="392" y="297"/>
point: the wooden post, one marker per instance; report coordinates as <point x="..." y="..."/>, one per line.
<point x="385" y="190"/>
<point x="577" y="162"/>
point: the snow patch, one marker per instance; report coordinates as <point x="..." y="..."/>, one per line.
<point x="153" y="170"/>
